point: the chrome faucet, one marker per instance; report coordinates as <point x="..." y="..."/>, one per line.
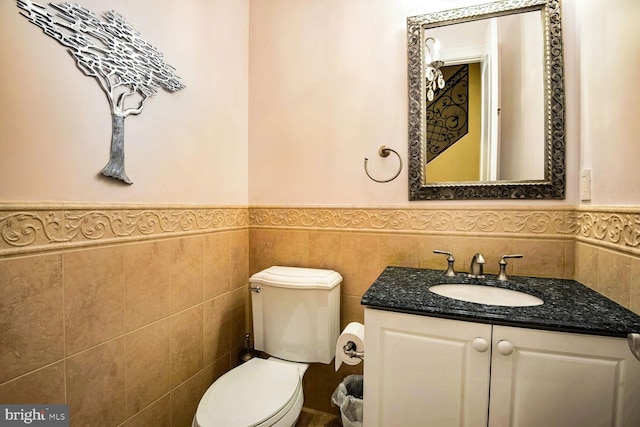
<point x="477" y="266"/>
<point x="450" y="260"/>
<point x="502" y="275"/>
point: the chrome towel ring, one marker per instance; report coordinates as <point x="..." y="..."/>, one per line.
<point x="384" y="151"/>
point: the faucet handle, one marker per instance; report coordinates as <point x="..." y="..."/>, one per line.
<point x="450" y="260"/>
<point x="503" y="265"/>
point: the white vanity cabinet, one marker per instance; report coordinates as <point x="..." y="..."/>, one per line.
<point x="427" y="371"/>
<point x="553" y="379"/>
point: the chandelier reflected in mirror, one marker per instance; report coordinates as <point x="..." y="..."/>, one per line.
<point x="435" y="80"/>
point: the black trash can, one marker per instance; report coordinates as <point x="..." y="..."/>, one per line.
<point x="348" y="397"/>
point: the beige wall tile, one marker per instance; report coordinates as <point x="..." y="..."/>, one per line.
<point x="187" y="347"/>
<point x="350" y="310"/>
<point x="239" y="307"/>
<point x="45" y="385"/>
<point x="262" y="251"/>
<point x="399" y="250"/>
<point x="94" y="296"/>
<point x="187" y="272"/>
<point x="542" y="258"/>
<point x="614" y="274"/>
<point x="325" y="250"/>
<point x="31" y="314"/>
<point x="586" y="264"/>
<point x="292" y="248"/>
<point x="185" y="397"/>
<point x="147" y="365"/>
<point x="569" y="259"/>
<point x="96" y="385"/>
<point x="239" y="253"/>
<point x="634" y="283"/>
<point x="218" y="369"/>
<point x="234" y="356"/>
<point x="360" y="262"/>
<point x="217" y="265"/>
<point x="217" y="328"/>
<point x="453" y="244"/>
<point x="147" y="282"/>
<point x="492" y="249"/>
<point x="157" y="414"/>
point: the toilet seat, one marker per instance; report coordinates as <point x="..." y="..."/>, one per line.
<point x="257" y="393"/>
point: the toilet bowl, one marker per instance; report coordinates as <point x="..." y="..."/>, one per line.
<point x="260" y="393"/>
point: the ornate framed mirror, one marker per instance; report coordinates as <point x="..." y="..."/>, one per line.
<point x="499" y="134"/>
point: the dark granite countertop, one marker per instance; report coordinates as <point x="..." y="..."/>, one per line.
<point x="568" y="305"/>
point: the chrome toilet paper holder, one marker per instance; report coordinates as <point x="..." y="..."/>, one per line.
<point x="351" y="350"/>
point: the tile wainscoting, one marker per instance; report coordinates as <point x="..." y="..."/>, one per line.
<point x="148" y="303"/>
<point x="127" y="314"/>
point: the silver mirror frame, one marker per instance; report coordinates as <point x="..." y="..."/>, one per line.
<point x="553" y="185"/>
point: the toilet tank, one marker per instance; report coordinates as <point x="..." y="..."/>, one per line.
<point x="296" y="313"/>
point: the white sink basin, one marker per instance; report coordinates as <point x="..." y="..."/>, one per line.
<point x="486" y="295"/>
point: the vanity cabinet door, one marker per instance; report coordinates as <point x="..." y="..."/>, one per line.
<point x="424" y="371"/>
<point x="553" y="379"/>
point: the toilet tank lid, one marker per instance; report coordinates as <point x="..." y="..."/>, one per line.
<point x="297" y="277"/>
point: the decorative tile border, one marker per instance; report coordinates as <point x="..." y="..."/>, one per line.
<point x="34" y="228"/>
<point x="615" y="228"/>
<point x="499" y="221"/>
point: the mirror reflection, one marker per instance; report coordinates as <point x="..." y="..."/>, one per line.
<point x="494" y="127"/>
<point x="486" y="122"/>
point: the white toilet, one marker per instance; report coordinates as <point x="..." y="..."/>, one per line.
<point x="296" y="320"/>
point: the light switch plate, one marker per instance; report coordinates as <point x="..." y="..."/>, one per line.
<point x="585" y="184"/>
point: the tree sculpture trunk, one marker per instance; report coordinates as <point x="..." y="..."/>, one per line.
<point x="115" y="166"/>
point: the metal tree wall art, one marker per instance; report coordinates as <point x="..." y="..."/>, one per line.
<point x="128" y="69"/>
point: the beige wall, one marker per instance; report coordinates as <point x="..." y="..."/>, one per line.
<point x="325" y="95"/>
<point x="608" y="34"/>
<point x="186" y="147"/>
<point x="328" y="86"/>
